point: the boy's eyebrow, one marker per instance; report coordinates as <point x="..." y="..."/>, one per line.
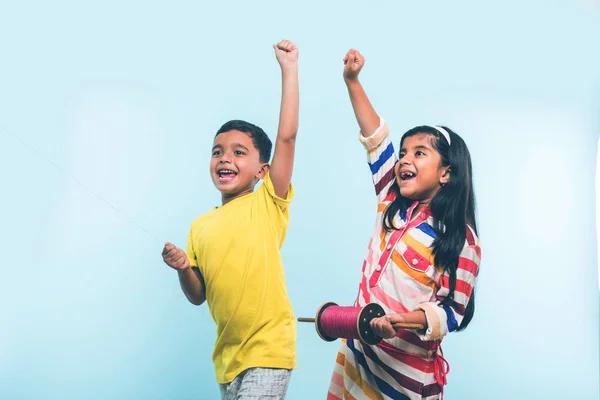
<point x="241" y="145"/>
<point x="219" y="146"/>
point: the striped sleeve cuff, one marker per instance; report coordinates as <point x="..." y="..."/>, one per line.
<point x="374" y="140"/>
<point x="437" y="321"/>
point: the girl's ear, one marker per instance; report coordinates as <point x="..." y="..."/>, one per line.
<point x="445" y="178"/>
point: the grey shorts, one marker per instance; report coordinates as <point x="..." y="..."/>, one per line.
<point x="257" y="383"/>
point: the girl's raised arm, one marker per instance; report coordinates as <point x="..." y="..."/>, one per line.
<point x="373" y="129"/>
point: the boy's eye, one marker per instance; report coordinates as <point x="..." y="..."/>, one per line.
<point x="239" y="153"/>
<point x="420" y="153"/>
<point x="401" y="155"/>
<point x="216" y="153"/>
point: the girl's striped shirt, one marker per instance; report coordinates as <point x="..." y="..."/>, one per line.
<point x="402" y="278"/>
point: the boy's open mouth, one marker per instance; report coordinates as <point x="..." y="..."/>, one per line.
<point x="226" y="175"/>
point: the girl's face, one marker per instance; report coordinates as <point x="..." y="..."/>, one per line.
<point x="419" y="172"/>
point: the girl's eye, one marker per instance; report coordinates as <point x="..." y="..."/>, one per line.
<point x="420" y="153"/>
<point x="216" y="153"/>
<point x="401" y="155"/>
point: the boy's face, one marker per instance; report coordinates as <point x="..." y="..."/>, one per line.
<point x="235" y="166"/>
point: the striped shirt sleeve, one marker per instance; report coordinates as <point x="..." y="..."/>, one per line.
<point x="445" y="318"/>
<point x="381" y="158"/>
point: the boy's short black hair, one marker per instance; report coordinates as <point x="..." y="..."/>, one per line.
<point x="259" y="137"/>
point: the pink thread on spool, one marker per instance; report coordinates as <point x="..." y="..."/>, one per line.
<point x="338" y="321"/>
<point x="335" y="322"/>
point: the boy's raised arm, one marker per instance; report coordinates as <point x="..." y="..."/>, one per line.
<point x="285" y="144"/>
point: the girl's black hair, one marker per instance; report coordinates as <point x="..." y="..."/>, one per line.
<point x="452" y="208"/>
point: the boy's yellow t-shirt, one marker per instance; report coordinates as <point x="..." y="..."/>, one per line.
<point x="236" y="247"/>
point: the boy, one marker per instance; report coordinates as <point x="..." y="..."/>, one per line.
<point x="232" y="258"/>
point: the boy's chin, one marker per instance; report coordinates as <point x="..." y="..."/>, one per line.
<point x="230" y="189"/>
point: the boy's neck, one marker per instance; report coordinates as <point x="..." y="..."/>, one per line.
<point x="226" y="198"/>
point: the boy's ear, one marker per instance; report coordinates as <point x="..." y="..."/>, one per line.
<point x="263" y="171"/>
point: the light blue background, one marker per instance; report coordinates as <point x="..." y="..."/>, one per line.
<point x="125" y="97"/>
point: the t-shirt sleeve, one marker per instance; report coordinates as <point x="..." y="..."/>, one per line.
<point x="270" y="189"/>
<point x="275" y="208"/>
<point x="189" y="250"/>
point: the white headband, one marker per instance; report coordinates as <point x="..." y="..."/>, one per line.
<point x="443" y="132"/>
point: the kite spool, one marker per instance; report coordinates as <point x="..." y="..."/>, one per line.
<point x="333" y="322"/>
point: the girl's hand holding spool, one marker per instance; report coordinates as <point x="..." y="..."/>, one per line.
<point x="385" y="326"/>
<point x="382" y="326"/>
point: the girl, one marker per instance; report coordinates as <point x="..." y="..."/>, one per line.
<point x="422" y="261"/>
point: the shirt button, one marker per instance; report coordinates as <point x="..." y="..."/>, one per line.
<point x="415" y="261"/>
<point x="389" y="246"/>
<point x="378" y="268"/>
